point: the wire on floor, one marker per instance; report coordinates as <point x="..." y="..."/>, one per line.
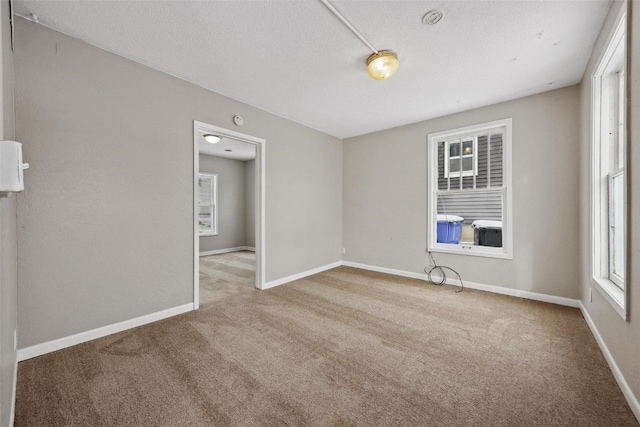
<point x="440" y="269"/>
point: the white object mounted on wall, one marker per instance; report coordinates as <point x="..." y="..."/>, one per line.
<point x="239" y="121"/>
<point x="11" y="168"/>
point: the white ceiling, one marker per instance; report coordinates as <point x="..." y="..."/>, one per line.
<point x="228" y="148"/>
<point x="297" y="60"/>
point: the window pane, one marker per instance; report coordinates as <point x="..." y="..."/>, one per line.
<point x="454" y="149"/>
<point x="442" y="181"/>
<point x="479" y="214"/>
<point x="206" y="203"/>
<point x="620" y="111"/>
<point x="472" y="205"/>
<point x="204" y="190"/>
<point x="454" y="165"/>
<point x="467" y="182"/>
<point x="617" y="228"/>
<point x="467" y="148"/>
<point x="483" y="146"/>
<point x="467" y="163"/>
<point x="204" y="219"/>
<point x="495" y="159"/>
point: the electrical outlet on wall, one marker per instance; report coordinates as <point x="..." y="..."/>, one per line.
<point x="344" y="251"/>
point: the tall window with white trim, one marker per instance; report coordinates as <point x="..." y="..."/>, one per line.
<point x="470" y="190"/>
<point x="608" y="168"/>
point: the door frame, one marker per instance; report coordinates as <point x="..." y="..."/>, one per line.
<point x="259" y="143"/>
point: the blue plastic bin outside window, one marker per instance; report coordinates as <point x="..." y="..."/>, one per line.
<point x="449" y="228"/>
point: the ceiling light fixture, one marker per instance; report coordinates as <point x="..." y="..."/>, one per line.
<point x="212" y="139"/>
<point x="382" y="64"/>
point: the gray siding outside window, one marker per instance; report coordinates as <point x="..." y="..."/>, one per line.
<point x="472" y="205"/>
<point x="480" y="197"/>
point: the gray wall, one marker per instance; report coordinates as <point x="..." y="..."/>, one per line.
<point x="622" y="338"/>
<point x="385" y="196"/>
<point x="250" y="203"/>
<point x="8" y="239"/>
<point x="107" y="235"/>
<point x="232" y="203"/>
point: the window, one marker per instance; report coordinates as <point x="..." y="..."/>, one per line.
<point x="608" y="169"/>
<point x="460" y="158"/>
<point x="207" y="204"/>
<point x="470" y="190"/>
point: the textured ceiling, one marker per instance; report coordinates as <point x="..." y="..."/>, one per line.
<point x="297" y="60"/>
<point x="227" y="148"/>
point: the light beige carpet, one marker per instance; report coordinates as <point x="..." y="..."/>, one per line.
<point x="344" y="347"/>
<point x="226" y="274"/>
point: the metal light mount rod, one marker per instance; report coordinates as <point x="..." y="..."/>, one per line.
<point x="381" y="64"/>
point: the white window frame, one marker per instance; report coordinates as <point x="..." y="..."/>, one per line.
<point x="213" y="204"/>
<point x="473" y="155"/>
<point x="506" y="251"/>
<point x="606" y="164"/>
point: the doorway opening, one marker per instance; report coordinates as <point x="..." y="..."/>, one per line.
<point x="229" y="170"/>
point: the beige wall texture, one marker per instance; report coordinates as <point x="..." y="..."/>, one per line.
<point x="233" y="211"/>
<point x="385" y="196"/>
<point x="621" y="337"/>
<point x="107" y="235"/>
<point x="8" y="237"/>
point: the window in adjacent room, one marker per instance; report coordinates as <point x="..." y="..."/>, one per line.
<point x="460" y="158"/>
<point x="207" y="204"/>
<point x="470" y="190"/>
<point x="608" y="169"/>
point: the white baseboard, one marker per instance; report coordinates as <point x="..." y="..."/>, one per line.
<point x="302" y="275"/>
<point x="224" y="251"/>
<point x="569" y="302"/>
<point x="472" y="285"/>
<point x="12" y="415"/>
<point x="401" y="273"/>
<point x="617" y="373"/>
<point x="58" y="344"/>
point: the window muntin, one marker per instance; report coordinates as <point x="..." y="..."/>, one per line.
<point x="473" y="201"/>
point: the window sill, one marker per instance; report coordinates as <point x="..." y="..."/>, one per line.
<point x="207" y="234"/>
<point x="479" y="251"/>
<point x="612" y="294"/>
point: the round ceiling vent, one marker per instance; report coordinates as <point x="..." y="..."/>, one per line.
<point x="432" y="17"/>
